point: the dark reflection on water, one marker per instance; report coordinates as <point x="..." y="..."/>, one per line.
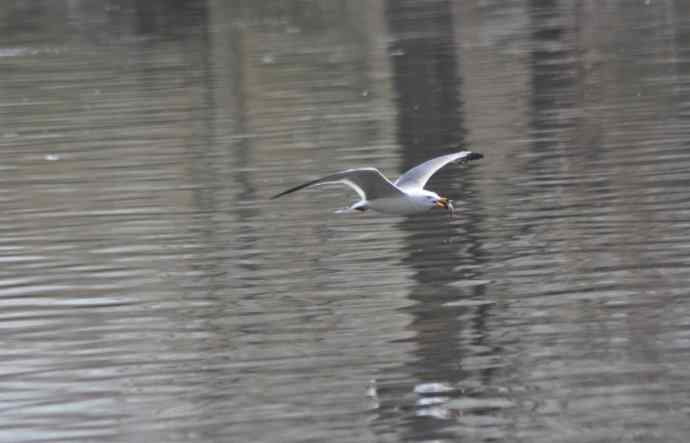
<point x="441" y="252"/>
<point x="150" y="291"/>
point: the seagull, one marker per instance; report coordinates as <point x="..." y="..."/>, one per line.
<point x="405" y="196"/>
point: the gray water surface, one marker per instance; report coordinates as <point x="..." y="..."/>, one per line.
<point x="150" y="290"/>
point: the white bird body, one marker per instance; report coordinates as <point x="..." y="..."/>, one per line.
<point x="416" y="201"/>
<point x="404" y="197"/>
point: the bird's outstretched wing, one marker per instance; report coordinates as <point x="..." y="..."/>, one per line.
<point x="369" y="183"/>
<point x="417" y="177"/>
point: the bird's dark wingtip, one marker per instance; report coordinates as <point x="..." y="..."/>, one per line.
<point x="296" y="188"/>
<point x="469" y="157"/>
<point x="281" y="194"/>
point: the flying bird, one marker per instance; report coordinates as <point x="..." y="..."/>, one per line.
<point x="405" y="196"/>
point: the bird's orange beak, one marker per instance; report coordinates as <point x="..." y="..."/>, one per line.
<point x="442" y="202"/>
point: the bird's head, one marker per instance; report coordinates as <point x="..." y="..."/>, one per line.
<point x="436" y="201"/>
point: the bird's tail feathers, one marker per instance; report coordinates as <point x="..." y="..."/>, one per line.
<point x="360" y="206"/>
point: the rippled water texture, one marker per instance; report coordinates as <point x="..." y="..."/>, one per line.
<point x="150" y="291"/>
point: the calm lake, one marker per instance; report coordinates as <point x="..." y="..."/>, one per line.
<point x="151" y="292"/>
